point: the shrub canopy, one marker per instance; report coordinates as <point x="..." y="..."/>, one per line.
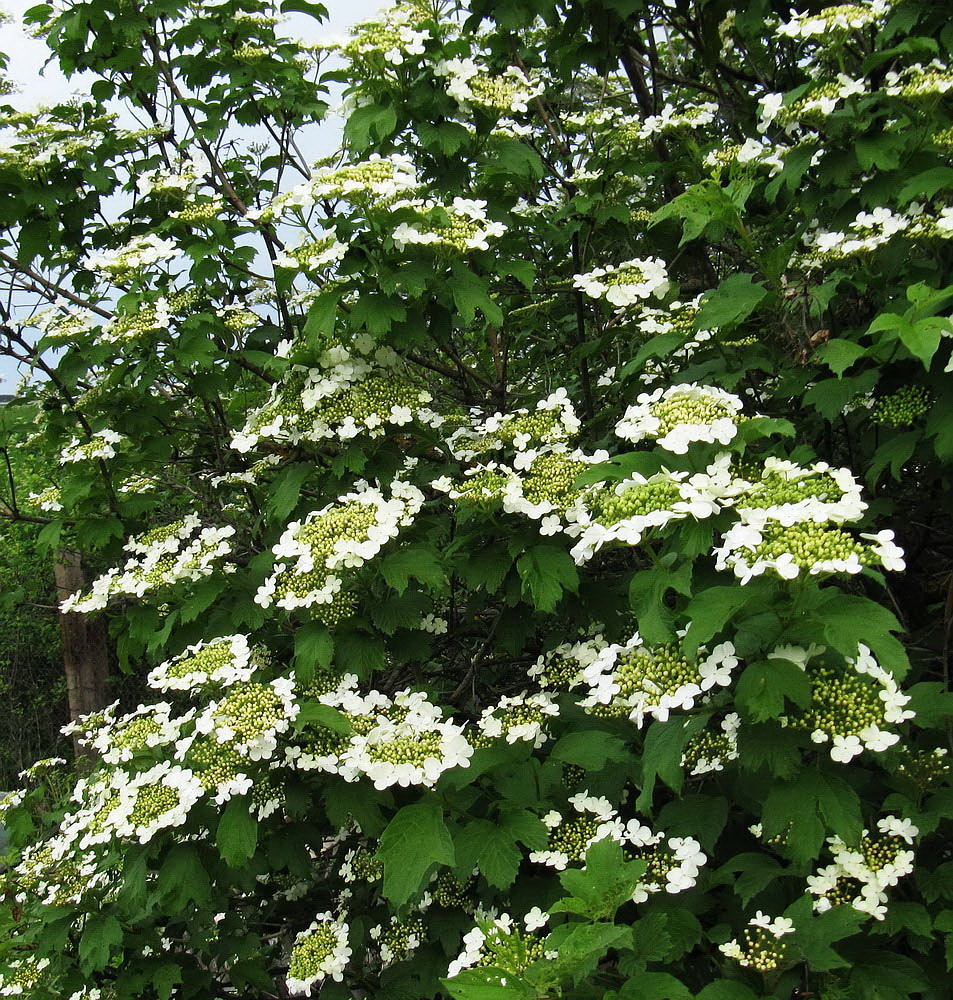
<point x="532" y="521"/>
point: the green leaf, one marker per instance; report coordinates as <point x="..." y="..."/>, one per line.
<point x="470" y="293"/>
<point x="607" y="882"/>
<point x="849" y="620"/>
<point x="165" y="978"/>
<point x="101" y="934"/>
<point x="492" y="848"/>
<point x="731" y="302"/>
<point x="840" y="354"/>
<point x="755" y="872"/>
<point x="591" y="749"/>
<point x="487" y="983"/>
<point x="183" y="879"/>
<point x="662" y="757"/>
<point x="313" y="713"/>
<point x="709" y="611"/>
<point x="726" y="989"/>
<point x="416" y="562"/>
<point x="314" y="648"/>
<point x="887" y="976"/>
<point x="647" y="591"/>
<point x="237" y="834"/>
<point x="763" y="686"/>
<point x="287" y="488"/>
<point x="547" y="571"/>
<point x="654" y="986"/>
<point x="415" y="840"/>
<point x="358" y="652"/>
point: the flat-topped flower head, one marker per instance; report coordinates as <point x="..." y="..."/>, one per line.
<point x="762" y="946"/>
<point x="458" y="227"/>
<point x="632" y="508"/>
<point x="563" y="667"/>
<point x="312" y="556"/>
<point x="412" y="752"/>
<point x="25" y="977"/>
<point x="163" y="556"/>
<point x="790" y="494"/>
<point x="553" y="421"/>
<point x="855" y="709"/>
<point x="251" y="716"/>
<point x="318" y="953"/>
<point x="710" y="751"/>
<point x="860" y="874"/>
<point x="397" y="940"/>
<point x="470" y="83"/>
<point x="570" y="836"/>
<point x="919" y="82"/>
<point x="102" y="445"/>
<point x="635" y="681"/>
<point x="502" y="944"/>
<point x="625" y="284"/>
<point x="834" y="25"/>
<point x="220" y="662"/>
<point x="137" y="254"/>
<point x="752" y="549"/>
<point x="148" y="727"/>
<point x="519" y="718"/>
<point x="361" y="390"/>
<point x="680" y="415"/>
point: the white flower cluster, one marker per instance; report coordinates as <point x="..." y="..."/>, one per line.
<point x="819" y="102"/>
<point x="118" y="739"/>
<point x="919" y="81"/>
<point x="401" y="741"/>
<point x="553" y="421"/>
<point x="671" y="118"/>
<point x="636" y="681"/>
<point x="867" y="232"/>
<point x="185" y="180"/>
<point x="709" y="751"/>
<point x="626" y="512"/>
<point x="162" y="557"/>
<point x="321" y="251"/>
<point x="393" y="36"/>
<point x="837" y="20"/>
<point x="102" y="444"/>
<point x="119" y="804"/>
<point x="463" y="225"/>
<point x="762" y="947"/>
<point x="853" y="710"/>
<point x="790" y="493"/>
<point x="501" y="943"/>
<point x="627" y="283"/>
<point x="139" y="252"/>
<point x="469" y="82"/>
<point x="751" y="549"/>
<point x="673" y="863"/>
<point x="320" y="952"/>
<point x="48" y="500"/>
<point x="344" y="535"/>
<point x="378" y="179"/>
<point x="519" y="718"/>
<point x="563" y="668"/>
<point x="23" y="977"/>
<point x="860" y="875"/>
<point x="350" y="392"/>
<point x="679" y="415"/>
<point x="251" y="716"/>
<point x="223" y="661"/>
<point x="540" y="485"/>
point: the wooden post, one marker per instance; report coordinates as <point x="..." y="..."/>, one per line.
<point x="85" y="649"/>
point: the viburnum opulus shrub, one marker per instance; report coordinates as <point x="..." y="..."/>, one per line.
<point x="532" y="521"/>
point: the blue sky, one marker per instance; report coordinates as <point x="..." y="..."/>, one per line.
<point x="39" y="85"/>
